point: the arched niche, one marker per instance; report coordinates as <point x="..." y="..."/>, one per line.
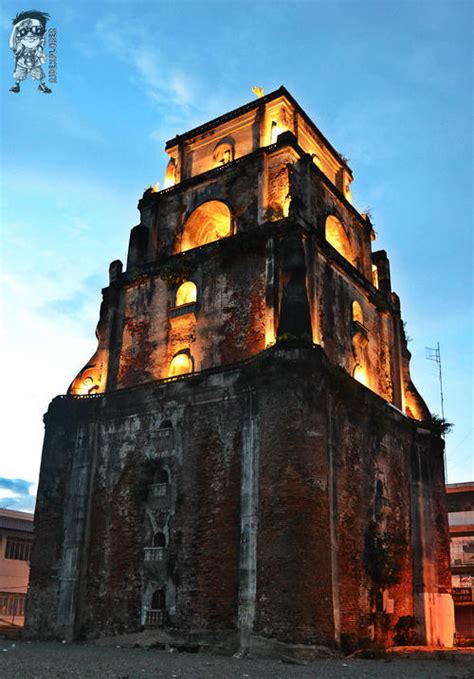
<point x="159" y="539"/>
<point x="186" y="293"/>
<point x="357" y="314"/>
<point x="223" y="153"/>
<point x="181" y="364"/>
<point x="338" y="238"/>
<point x="170" y="174"/>
<point x="360" y="375"/>
<point x="209" y="222"/>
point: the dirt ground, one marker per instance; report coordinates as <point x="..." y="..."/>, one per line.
<point x="38" y="660"/>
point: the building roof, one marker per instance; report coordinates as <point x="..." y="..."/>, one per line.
<point x="12" y="519"/>
<point x="460" y="487"/>
<point x="255" y="103"/>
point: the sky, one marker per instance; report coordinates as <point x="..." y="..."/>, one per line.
<point x="389" y="83"/>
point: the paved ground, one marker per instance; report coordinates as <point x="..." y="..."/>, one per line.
<point x="41" y="660"/>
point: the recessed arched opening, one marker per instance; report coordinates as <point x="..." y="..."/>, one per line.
<point x="360" y="375"/>
<point x="181" y="364"/>
<point x="379" y="498"/>
<point x="170" y="174"/>
<point x="158" y="599"/>
<point x="166" y="424"/>
<point x="209" y="222"/>
<point x="337" y="237"/>
<point x="161" y="476"/>
<point x="159" y="539"/>
<point x="357" y="314"/>
<point x="186" y="293"/>
<point x="223" y="154"/>
<point x="375" y="276"/>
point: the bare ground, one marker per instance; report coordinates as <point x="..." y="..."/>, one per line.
<point x="41" y="660"/>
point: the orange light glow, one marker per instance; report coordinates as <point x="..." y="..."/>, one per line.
<point x="357" y="314"/>
<point x="223" y="154"/>
<point x="186" y="293"/>
<point x="347" y="190"/>
<point x="181" y="364"/>
<point x="170" y="174"/>
<point x="155" y="188"/>
<point x="209" y="222"/>
<point x="86" y="386"/>
<point x="360" y="375"/>
<point x="375" y="276"/>
<point x="338" y="238"/>
<point x="277" y="129"/>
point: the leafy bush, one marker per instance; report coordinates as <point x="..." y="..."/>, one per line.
<point x="404" y="631"/>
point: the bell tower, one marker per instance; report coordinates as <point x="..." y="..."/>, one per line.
<point x="246" y="447"/>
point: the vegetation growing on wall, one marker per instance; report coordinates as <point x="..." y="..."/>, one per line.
<point x="384" y="554"/>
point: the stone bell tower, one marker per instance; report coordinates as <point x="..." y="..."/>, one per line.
<point x="245" y="461"/>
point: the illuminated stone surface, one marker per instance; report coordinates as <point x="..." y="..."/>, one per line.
<point x="299" y="505"/>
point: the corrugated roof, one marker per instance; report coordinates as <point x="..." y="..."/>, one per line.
<point x="12" y="519"/>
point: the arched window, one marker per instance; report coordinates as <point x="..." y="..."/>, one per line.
<point x="166" y="424"/>
<point x="209" y="222"/>
<point x="337" y="237"/>
<point x="357" y="314"/>
<point x="158" y="599"/>
<point x="223" y="153"/>
<point x="159" y="540"/>
<point x="181" y="364"/>
<point x="186" y="293"/>
<point x="360" y="375"/>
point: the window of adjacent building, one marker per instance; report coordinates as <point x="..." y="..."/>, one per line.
<point x="338" y="238"/>
<point x="186" y="293"/>
<point x="209" y="222"/>
<point x="462" y="551"/>
<point x="181" y="364"/>
<point x="357" y="314"/>
<point x="18" y="548"/>
<point x="12" y="604"/>
<point x="465" y="518"/>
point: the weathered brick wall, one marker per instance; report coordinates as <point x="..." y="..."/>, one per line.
<point x="325" y="201"/>
<point x="220" y="330"/>
<point x="294" y="598"/>
<point x="323" y="442"/>
<point x="165" y="214"/>
<point x="41" y="605"/>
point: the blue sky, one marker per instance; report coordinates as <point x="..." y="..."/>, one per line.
<point x="389" y="83"/>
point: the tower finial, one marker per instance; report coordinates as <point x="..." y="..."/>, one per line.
<point x="258" y="91"/>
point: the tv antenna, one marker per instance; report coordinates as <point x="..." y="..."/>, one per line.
<point x="435" y="355"/>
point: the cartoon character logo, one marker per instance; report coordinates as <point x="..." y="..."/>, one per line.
<point x="27" y="42"/>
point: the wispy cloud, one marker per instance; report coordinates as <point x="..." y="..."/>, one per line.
<point x="15" y="494"/>
<point x="163" y="82"/>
